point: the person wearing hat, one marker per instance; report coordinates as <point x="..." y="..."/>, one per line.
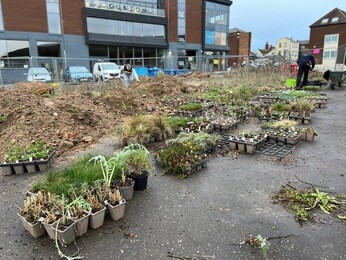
<point x="129" y="74"/>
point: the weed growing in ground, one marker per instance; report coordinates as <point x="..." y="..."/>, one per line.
<point x="301" y="202"/>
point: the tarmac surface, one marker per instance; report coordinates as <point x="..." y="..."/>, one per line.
<point x="202" y="216"/>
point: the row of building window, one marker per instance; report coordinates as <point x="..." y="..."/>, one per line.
<point x="123" y="28"/>
<point x="216" y="24"/>
<point x="148" y="57"/>
<point x="14" y="54"/>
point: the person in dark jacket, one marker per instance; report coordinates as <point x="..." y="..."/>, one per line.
<point x="306" y="63"/>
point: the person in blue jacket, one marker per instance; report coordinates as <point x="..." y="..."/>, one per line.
<point x="306" y="63"/>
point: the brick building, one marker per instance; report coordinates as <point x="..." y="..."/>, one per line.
<point x="328" y="40"/>
<point x="161" y="33"/>
<point x="240" y="46"/>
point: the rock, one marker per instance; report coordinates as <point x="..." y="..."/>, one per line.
<point x="66" y="143"/>
<point x="55" y="114"/>
<point x="87" y="139"/>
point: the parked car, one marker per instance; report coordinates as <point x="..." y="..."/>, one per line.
<point x="75" y="74"/>
<point x="105" y="71"/>
<point x="37" y="74"/>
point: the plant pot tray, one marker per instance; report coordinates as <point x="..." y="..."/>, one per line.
<point x="197" y="166"/>
<point x="276" y="150"/>
<point x="243" y="146"/>
<point x="196" y="113"/>
<point x="27" y="167"/>
<point x="284" y="140"/>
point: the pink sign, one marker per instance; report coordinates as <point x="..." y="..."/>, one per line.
<point x="316" y="51"/>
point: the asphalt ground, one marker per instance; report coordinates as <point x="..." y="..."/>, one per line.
<point x="201" y="217"/>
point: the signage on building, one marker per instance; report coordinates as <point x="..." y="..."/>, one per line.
<point x="129" y="8"/>
<point x="120" y="7"/>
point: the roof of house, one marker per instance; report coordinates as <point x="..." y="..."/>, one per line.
<point x="336" y="16"/>
<point x="235" y="30"/>
<point x="303" y="42"/>
<point x="288" y="38"/>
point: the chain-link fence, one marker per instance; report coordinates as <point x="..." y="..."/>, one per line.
<point x="15" y="69"/>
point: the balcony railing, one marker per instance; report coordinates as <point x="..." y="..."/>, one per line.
<point x="134" y="7"/>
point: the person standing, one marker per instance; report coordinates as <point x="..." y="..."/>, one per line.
<point x="129" y="74"/>
<point x="306" y="63"/>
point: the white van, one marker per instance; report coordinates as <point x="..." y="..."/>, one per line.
<point x="105" y="71"/>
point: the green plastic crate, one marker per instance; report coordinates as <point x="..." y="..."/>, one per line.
<point x="291" y="82"/>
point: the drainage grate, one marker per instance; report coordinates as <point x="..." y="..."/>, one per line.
<point x="277" y="150"/>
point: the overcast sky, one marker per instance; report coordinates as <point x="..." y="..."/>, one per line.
<point x="269" y="20"/>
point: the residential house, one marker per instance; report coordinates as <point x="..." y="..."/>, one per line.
<point x="287" y="48"/>
<point x="328" y="41"/>
<point x="264" y="56"/>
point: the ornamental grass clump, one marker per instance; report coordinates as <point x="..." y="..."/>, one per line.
<point x="142" y="128"/>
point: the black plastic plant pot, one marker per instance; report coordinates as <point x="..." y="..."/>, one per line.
<point x="141" y="181"/>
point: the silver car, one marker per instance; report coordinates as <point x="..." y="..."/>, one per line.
<point x="38" y="74"/>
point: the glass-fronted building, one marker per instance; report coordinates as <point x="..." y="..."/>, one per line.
<point x="150" y="33"/>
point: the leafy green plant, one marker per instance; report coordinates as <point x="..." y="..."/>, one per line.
<point x="36" y="151"/>
<point x="137" y="159"/>
<point x="107" y="168"/>
<point x="200" y="141"/>
<point x="301" y="202"/>
<point x="2" y="118"/>
<point x="177" y="122"/>
<point x="178" y="157"/>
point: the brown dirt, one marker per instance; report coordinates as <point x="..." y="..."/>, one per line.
<point x="72" y="118"/>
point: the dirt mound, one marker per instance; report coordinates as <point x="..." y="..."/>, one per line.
<point x="72" y="119"/>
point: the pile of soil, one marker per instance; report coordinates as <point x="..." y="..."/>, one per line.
<point x="71" y="118"/>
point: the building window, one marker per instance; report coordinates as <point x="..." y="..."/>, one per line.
<point x="122" y="28"/>
<point x="324" y="21"/>
<point x="53" y="16"/>
<point x="331" y="38"/>
<point x="334" y="20"/>
<point x="14" y="54"/>
<point x="181" y="20"/>
<point x="216" y="24"/>
<point x="48" y="49"/>
<point x="1" y="18"/>
<point x="329" y="54"/>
